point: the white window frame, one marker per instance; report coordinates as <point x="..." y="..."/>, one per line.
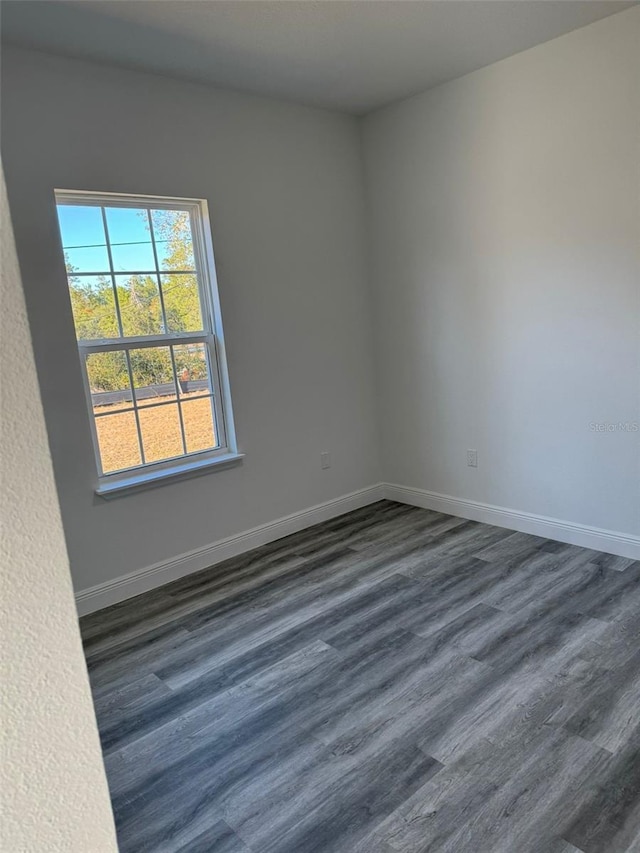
<point x="212" y="335"/>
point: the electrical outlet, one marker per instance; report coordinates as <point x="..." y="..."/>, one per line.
<point x="472" y="458"/>
<point x="325" y="459"/>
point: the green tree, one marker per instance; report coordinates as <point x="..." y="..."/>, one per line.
<point x="95" y="316"/>
<point x="172" y="232"/>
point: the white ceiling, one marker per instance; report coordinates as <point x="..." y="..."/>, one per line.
<point x="351" y="55"/>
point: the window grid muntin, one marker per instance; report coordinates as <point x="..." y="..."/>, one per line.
<point x="207" y="336"/>
<point x="94" y="427"/>
<point x="153" y="405"/>
<point x="134" y="272"/>
<point x="138" y="390"/>
<point x="165" y="458"/>
<point x="178" y="400"/>
<point x="188" y="403"/>
<point x="135" y="412"/>
<point x="113" y="281"/>
<point x="165" y="324"/>
<point x="157" y="273"/>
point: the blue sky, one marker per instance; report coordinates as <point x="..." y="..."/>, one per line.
<point x="84" y="241"/>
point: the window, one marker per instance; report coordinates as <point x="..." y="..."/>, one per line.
<point x="142" y="287"/>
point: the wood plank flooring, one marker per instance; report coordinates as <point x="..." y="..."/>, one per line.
<point x="392" y="681"/>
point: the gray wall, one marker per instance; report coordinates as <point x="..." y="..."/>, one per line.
<point x="54" y="790"/>
<point x="284" y="185"/>
<point x="505" y="237"/>
<point x="503" y="215"/>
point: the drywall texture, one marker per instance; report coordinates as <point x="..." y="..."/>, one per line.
<point x="53" y="788"/>
<point x="505" y="239"/>
<point x="284" y="186"/>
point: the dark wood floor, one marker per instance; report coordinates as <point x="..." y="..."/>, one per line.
<point x="392" y="680"/>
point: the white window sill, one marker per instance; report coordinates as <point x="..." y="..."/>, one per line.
<point x="149" y="479"/>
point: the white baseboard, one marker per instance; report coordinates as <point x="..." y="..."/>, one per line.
<point x="143" y="580"/>
<point x="610" y="541"/>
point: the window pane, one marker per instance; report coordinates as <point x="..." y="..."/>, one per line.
<point x="152" y="375"/>
<point x="197" y="416"/>
<point x="94" y="309"/>
<point x="135" y="258"/>
<point x="127" y="225"/>
<point x="130" y="239"/>
<point x="81" y="225"/>
<point x="174" y="244"/>
<point x="89" y="259"/>
<point x="109" y="380"/>
<point x="192" y="369"/>
<point x="118" y="441"/>
<point x="161" y="435"/>
<point x="181" y="303"/>
<point x="140" y="307"/>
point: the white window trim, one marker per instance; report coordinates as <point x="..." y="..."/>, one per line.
<point x="226" y="454"/>
<point x="182" y="468"/>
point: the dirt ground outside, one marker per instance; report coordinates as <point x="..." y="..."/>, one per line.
<point x="160" y="428"/>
